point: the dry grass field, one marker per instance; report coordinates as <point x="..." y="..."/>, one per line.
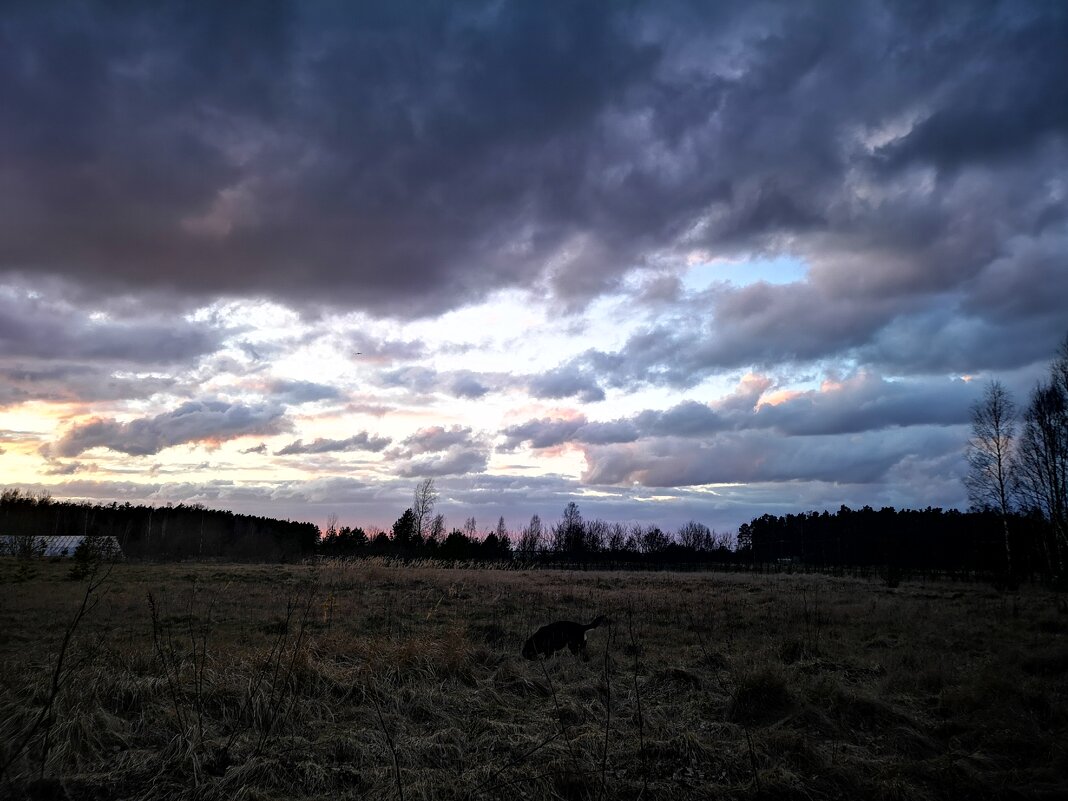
<point x="363" y="680"/>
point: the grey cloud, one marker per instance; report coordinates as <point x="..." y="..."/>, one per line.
<point x="468" y="385"/>
<point x="758" y="456"/>
<point x="326" y="490"/>
<point x="193" y="421"/>
<point x="297" y="392"/>
<point x="362" y="441"/>
<point x="10" y="436"/>
<point x="566" y="382"/>
<point x="455" y="461"/>
<point x="67" y="383"/>
<point x="32" y="326"/>
<point x="548" y="433"/>
<point x="372" y="349"/>
<point x="440" y="451"/>
<point x="261" y="448"/>
<point x="687" y="419"/>
<point x="865" y="402"/>
<point x="457" y="383"/>
<point x="1007" y="316"/>
<point x="68" y="468"/>
<point x="868" y="402"/>
<point x="435" y="438"/>
<point x="611" y="431"/>
<point x="543" y="433"/>
<point x="760" y="324"/>
<point x="415" y="379"/>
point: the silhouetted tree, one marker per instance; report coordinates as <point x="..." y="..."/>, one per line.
<point x="405" y="533"/>
<point x="989" y="481"/>
<point x="530" y="540"/>
<point x="569" y="535"/>
<point x="695" y="536"/>
<point x="423" y="505"/>
<point x="654" y="541"/>
<point x="597" y="532"/>
<point x="437" y="529"/>
<point x="617" y="539"/>
<point x="503" y="540"/>
<point x="1042" y="466"/>
<point x="456" y="546"/>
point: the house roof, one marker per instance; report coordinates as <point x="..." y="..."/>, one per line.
<point x="59" y="545"/>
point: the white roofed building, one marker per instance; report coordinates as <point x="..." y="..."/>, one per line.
<point x="58" y="546"/>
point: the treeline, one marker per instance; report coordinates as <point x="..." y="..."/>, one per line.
<point x="420" y="534"/>
<point x="938" y="540"/>
<point x="185" y="531"/>
<point x="932" y="540"/>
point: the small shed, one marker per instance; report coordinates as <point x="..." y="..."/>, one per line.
<point x="62" y="546"/>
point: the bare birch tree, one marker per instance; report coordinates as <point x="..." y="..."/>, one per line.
<point x="989" y="480"/>
<point x="423" y="505"/>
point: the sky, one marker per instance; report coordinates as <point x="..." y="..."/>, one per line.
<point x="671" y="260"/>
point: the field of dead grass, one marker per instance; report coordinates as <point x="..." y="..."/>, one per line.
<point x="364" y="680"/>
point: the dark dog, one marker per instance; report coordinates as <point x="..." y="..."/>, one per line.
<point x="549" y="639"/>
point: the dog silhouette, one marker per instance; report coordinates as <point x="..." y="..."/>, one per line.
<point x="551" y="638"/>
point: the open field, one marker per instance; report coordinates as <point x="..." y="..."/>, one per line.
<point x="362" y="680"/>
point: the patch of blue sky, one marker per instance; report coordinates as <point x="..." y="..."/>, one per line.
<point x="783" y="269"/>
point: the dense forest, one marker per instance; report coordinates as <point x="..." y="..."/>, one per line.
<point x="160" y="532"/>
<point x="909" y="539"/>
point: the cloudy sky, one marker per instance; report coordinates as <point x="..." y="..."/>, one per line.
<point x="669" y="260"/>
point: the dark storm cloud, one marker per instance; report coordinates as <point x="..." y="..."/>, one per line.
<point x="363" y="441"/>
<point x="354" y="151"/>
<point x="408" y="159"/>
<point x="193" y="421"/>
